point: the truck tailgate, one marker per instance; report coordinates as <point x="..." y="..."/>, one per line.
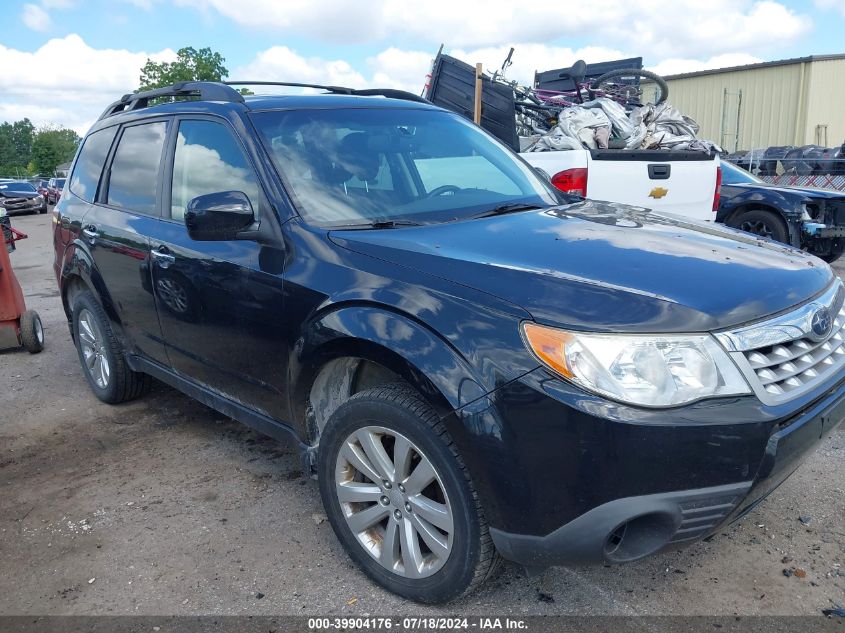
<point x="679" y="182"/>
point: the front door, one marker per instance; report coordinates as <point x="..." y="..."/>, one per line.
<point x="220" y="304"/>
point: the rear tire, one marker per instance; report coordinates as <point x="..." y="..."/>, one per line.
<point x="101" y="355"/>
<point x="763" y="223"/>
<point x="32" y="332"/>
<point x="397" y="546"/>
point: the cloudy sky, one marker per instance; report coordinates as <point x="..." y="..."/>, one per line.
<point x="62" y="61"/>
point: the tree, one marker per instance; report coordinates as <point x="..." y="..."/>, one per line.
<point x="190" y="65"/>
<point x="15" y="146"/>
<point x="53" y="146"/>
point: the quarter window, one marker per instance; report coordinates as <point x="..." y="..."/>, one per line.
<point x="208" y="159"/>
<point x="135" y="167"/>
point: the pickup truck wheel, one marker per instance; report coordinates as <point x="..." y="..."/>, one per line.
<point x="101" y="355"/>
<point x="399" y="498"/>
<point x="762" y="223"/>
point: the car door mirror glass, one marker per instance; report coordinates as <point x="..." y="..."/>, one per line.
<point x="218" y="216"/>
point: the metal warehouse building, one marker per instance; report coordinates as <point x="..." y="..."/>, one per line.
<point x="790" y="102"/>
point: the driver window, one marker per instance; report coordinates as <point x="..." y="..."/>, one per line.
<point x="208" y="159"/>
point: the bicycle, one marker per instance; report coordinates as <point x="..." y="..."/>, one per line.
<point x="537" y="108"/>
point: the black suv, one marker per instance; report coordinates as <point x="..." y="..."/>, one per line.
<point x="472" y="365"/>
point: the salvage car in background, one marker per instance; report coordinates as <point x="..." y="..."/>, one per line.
<point x="21" y="197"/>
<point x="54" y="189"/>
<point x="807" y="218"/>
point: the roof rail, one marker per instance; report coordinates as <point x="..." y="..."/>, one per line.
<point x="205" y="90"/>
<point x="366" y="92"/>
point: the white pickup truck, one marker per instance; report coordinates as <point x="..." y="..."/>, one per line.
<point x="684" y="183"/>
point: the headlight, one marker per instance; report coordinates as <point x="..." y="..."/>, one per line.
<point x="653" y="371"/>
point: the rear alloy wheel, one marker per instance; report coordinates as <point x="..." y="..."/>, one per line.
<point x="763" y="223"/>
<point x="399" y="498"/>
<point x="100" y="354"/>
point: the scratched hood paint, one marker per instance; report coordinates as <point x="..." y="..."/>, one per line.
<point x="605" y="266"/>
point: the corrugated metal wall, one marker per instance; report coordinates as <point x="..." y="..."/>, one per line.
<point x="768" y="111"/>
<point x="826" y="105"/>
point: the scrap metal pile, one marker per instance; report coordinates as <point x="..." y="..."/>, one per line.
<point x="595" y="124"/>
<point x="586" y="106"/>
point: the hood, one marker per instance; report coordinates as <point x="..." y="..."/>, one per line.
<point x="605" y="266"/>
<point x="802" y="192"/>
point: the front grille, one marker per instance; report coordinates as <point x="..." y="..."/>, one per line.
<point x="794" y="365"/>
<point x="783" y="357"/>
<point x="17" y="204"/>
<point x="701" y="516"/>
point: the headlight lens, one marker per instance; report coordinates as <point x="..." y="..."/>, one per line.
<point x="653" y="371"/>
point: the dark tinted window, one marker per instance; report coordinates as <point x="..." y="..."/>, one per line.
<point x="208" y="160"/>
<point x="89" y="165"/>
<point x="134" y="169"/>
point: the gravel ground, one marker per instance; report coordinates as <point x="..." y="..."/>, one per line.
<point x="162" y="506"/>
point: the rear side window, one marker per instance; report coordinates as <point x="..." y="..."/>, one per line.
<point x="135" y="167"/>
<point x="89" y="165"/>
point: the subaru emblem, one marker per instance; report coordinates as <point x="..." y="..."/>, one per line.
<point x="821" y="324"/>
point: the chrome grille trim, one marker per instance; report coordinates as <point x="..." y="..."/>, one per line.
<point x="782" y="358"/>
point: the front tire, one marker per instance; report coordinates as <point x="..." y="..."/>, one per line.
<point x="101" y="355"/>
<point x="763" y="223"/>
<point x="400" y="499"/>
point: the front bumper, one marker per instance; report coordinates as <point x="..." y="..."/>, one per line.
<point x="622" y="487"/>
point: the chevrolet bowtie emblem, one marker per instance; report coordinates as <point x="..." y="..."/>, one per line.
<point x="658" y="192"/>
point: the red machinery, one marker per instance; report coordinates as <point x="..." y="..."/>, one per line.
<point x="18" y="326"/>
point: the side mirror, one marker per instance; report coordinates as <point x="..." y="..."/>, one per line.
<point x="217" y="217"/>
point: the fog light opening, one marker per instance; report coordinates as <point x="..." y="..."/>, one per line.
<point x="639" y="537"/>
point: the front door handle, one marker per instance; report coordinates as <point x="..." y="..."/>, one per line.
<point x="163" y="256"/>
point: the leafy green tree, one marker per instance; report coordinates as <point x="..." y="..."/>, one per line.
<point x="190" y="65"/>
<point x="52" y="147"/>
<point x="15" y="146"/>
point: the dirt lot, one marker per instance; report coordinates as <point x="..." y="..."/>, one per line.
<point x="162" y="506"/>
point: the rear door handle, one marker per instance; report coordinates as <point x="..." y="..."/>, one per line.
<point x="163" y="256"/>
<point x="91" y="233"/>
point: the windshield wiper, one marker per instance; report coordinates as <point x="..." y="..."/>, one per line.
<point x="376" y="224"/>
<point x="503" y="209"/>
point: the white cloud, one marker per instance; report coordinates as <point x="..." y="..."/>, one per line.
<point x="279" y="63"/>
<point x="407" y="70"/>
<point x="528" y="58"/>
<point x="824" y="5"/>
<point x="681" y="28"/>
<point x="87" y="81"/>
<point x="677" y="66"/>
<point x="36" y="18"/>
<point x="57" y="4"/>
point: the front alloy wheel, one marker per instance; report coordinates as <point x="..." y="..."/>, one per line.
<point x="394" y="502"/>
<point x="399" y="497"/>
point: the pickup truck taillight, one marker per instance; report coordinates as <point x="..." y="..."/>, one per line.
<point x="572" y="181"/>
<point x="717" y="195"/>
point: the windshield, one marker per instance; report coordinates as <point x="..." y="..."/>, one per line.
<point x="60" y="182"/>
<point x="358" y="166"/>
<point x="22" y="187"/>
<point x="733" y="175"/>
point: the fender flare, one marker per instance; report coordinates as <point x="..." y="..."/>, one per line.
<point x="81" y="266"/>
<point x="394" y="340"/>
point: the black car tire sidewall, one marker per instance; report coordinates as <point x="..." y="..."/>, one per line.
<point x="84" y="301"/>
<point x="457" y="574"/>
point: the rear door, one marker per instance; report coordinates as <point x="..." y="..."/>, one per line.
<point x="678" y="182"/>
<point x="116" y="232"/>
<point x="221" y="304"/>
